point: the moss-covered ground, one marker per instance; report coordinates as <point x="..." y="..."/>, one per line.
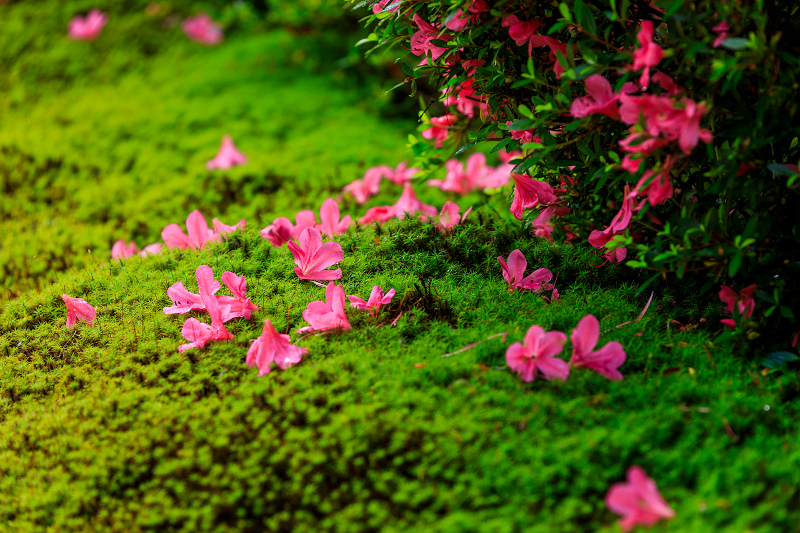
<point x="418" y="426"/>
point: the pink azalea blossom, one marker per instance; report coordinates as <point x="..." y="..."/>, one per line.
<point x="466" y="100"/>
<point x="197" y="332"/>
<point x="377" y="298"/>
<point x="604" y="361"/>
<point x="656" y="184"/>
<point x="439" y="131"/>
<point x="421" y="40"/>
<point x="538" y="355"/>
<point x="601" y="99"/>
<point x="312" y="257"/>
<point x="199" y="232"/>
<point x="721" y="30"/>
<point x="270" y="347"/>
<point x="525" y="32"/>
<point x="401" y="174"/>
<point x="329" y="216"/>
<point x="202" y="29"/>
<point x="648" y="55"/>
<point x="238" y="305"/>
<point x="514" y="274"/>
<point x="529" y="192"/>
<point x="227" y="157"/>
<point x="78" y="308"/>
<point x="638" y="501"/>
<point x="461" y="179"/>
<point x="151" y="249"/>
<point x="542" y="227"/>
<point x="524" y="136"/>
<point x="329" y="314"/>
<point x="450" y="217"/>
<point x="88" y="28"/>
<point x="379" y="214"/>
<point x="744" y="302"/>
<point x="618" y="224"/>
<point x="120" y="250"/>
<point x="409" y="204"/>
<point x="279" y="232"/>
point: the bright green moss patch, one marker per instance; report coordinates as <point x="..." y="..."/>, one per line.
<point x="111" y="428"/>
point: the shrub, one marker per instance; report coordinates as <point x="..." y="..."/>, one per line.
<point x="669" y="129"/>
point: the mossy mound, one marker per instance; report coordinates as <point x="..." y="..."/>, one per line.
<point x="110" y="428"/>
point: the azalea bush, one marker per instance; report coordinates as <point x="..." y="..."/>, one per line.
<point x="664" y="134"/>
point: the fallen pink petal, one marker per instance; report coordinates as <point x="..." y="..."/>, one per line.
<point x="605" y="361"/>
<point x="329" y="314"/>
<point x="514" y="274"/>
<point x="273" y="347"/>
<point x="330" y="223"/>
<point x="202" y="29"/>
<point x="312" y="257"/>
<point x="537" y="355"/>
<point x="638" y="501"/>
<point x="87" y="28"/>
<point x="227" y="157"/>
<point x="78" y="309"/>
<point x="377" y="299"/>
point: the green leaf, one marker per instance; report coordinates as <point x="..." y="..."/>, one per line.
<point x="736" y="43"/>
<point x="735" y="264"/>
<point x="466" y="146"/>
<point x="585" y="17"/>
<point x="565" y="11"/>
<point x="522" y="124"/>
<point x="502" y="144"/>
<point x="779" y="360"/>
<point x="407" y="69"/>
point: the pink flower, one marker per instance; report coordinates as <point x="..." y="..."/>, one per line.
<point x="312" y="257"/>
<point x="721" y="30"/>
<point x="744" y="302"/>
<point x="202" y="29"/>
<point x="461" y="180"/>
<point x="329" y="216"/>
<point x="227" y="157"/>
<point x="601" y="99"/>
<point x="229" y="307"/>
<point x="439" y="131"/>
<point x="199" y="232"/>
<point x="449" y="216"/>
<point x="524" y="136"/>
<point x="542" y="227"/>
<point x="78" y="308"/>
<point x="120" y="250"/>
<point x="618" y="224"/>
<point x="656" y="184"/>
<point x="376" y="299"/>
<point x="401" y="174"/>
<point x="270" y="347"/>
<point x="238" y="305"/>
<point x="328" y="314"/>
<point x="604" y="361"/>
<point x="86" y="29"/>
<point x="381" y="5"/>
<point x="379" y="214"/>
<point x="514" y="272"/>
<point x="648" y="55"/>
<point x="409" y="204"/>
<point x="538" y="354"/>
<point x="279" y="232"/>
<point x="529" y="192"/>
<point x="689" y="130"/>
<point x="638" y="501"/>
<point x="421" y="40"/>
<point x="195" y="331"/>
<point x="525" y="32"/>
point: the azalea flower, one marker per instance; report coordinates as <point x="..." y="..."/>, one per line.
<point x="312" y="256"/>
<point x="227" y="157"/>
<point x="438" y="131"/>
<point x="120" y="250"/>
<point x="656" y="184"/>
<point x="376" y="299"/>
<point x="199" y="232"/>
<point x="464" y="180"/>
<point x="601" y="99"/>
<point x="514" y="272"/>
<point x="638" y="501"/>
<point x="282" y="231"/>
<point x="604" y="361"/>
<point x="525" y="32"/>
<point x="620" y="222"/>
<point x="538" y="355"/>
<point x="465" y="99"/>
<point x="381" y="5"/>
<point x="721" y="30"/>
<point x="88" y="28"/>
<point x="744" y="302"/>
<point x="270" y="347"/>
<point x="329" y="314"/>
<point x="369" y="185"/>
<point x="449" y="216"/>
<point x="400" y="174"/>
<point x="202" y="29"/>
<point x="524" y="136"/>
<point x="529" y="192"/>
<point x="329" y="216"/>
<point x="197" y="332"/>
<point x="229" y="307"/>
<point x="78" y="308"/>
<point x="542" y="227"/>
<point x="421" y="40"/>
<point x="407" y="204"/>
<point x="648" y="55"/>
